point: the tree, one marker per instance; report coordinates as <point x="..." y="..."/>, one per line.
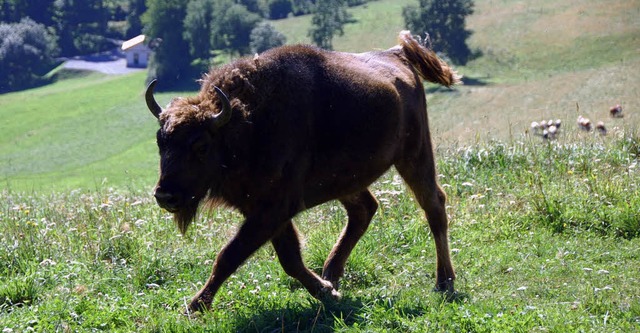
<point x="197" y="28"/>
<point x="444" y="21"/>
<point x="81" y="26"/>
<point x="11" y="11"/>
<point x="231" y="27"/>
<point x="218" y="25"/>
<point x="134" y="24"/>
<point x="41" y="11"/>
<point x="279" y="9"/>
<point x="171" y="60"/>
<point x="254" y="6"/>
<point x="329" y="19"/>
<point x="27" y="50"/>
<point x="264" y="36"/>
<point x="302" y="7"/>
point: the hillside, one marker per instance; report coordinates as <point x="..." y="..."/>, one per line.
<point x="543" y="235"/>
<point x="81" y="132"/>
<point x="540" y="60"/>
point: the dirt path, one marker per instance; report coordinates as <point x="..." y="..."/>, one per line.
<point x="111" y="62"/>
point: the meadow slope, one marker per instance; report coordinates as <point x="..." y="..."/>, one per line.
<point x="544" y="60"/>
<point x="545" y="235"/>
<point x="539" y="59"/>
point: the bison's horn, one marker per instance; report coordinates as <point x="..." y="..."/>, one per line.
<point x="151" y="102"/>
<point x="225" y="114"/>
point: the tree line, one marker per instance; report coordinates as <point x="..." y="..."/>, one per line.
<point x="194" y="34"/>
<point x="189" y="35"/>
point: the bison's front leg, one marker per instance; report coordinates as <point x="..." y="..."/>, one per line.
<point x="252" y="235"/>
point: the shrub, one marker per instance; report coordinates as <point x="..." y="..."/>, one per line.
<point x="27" y="51"/>
<point x="264" y="36"/>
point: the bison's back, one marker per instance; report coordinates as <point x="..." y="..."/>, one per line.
<point x="341" y="116"/>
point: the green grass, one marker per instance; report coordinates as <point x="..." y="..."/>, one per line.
<point x="539" y="62"/>
<point x="544" y="238"/>
<point x="544" y="235"/>
<point x="77" y="132"/>
<point x="376" y="27"/>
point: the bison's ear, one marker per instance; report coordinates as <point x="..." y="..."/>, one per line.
<point x="224" y="115"/>
<point x="153" y="106"/>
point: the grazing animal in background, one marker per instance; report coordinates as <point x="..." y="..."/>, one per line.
<point x="295" y="127"/>
<point x="616" y="111"/>
<point x="546" y="129"/>
<point x="602" y="130"/>
<point x="584" y="123"/>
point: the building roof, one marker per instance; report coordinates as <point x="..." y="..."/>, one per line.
<point x="133" y="42"/>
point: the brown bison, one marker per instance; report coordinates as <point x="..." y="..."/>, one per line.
<point x="293" y="128"/>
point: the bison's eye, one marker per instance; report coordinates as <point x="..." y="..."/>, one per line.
<point x="200" y="148"/>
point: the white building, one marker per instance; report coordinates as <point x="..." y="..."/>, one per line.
<point x="137" y="52"/>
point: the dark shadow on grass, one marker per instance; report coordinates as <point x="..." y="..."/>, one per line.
<point x="474" y="81"/>
<point x="110" y="55"/>
<point x="187" y="82"/>
<point x="466" y="80"/>
<point x="326" y="317"/>
<point x="315" y="317"/>
<point x="454" y="297"/>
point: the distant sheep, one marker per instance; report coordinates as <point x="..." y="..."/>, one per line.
<point x="601" y="129"/>
<point x="547" y="129"/>
<point x="584" y="123"/>
<point x="616" y="111"/>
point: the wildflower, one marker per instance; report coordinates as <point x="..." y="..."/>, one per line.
<point x="80" y="289"/>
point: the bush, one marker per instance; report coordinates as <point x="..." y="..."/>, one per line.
<point x="279" y="9"/>
<point x="328" y="20"/>
<point x="27" y="51"/>
<point x="91" y="43"/>
<point x="444" y="21"/>
<point x="264" y="36"/>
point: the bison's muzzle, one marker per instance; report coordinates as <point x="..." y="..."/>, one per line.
<point x="167" y="200"/>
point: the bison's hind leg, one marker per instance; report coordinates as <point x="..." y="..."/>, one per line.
<point x="420" y="175"/>
<point x="360" y="210"/>
<point x="287" y="246"/>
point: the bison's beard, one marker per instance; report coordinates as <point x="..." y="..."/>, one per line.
<point x="187" y="214"/>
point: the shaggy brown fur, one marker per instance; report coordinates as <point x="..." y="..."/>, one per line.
<point x="302" y="126"/>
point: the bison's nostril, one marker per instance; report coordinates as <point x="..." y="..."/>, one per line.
<point x="167" y="200"/>
<point x="162" y="196"/>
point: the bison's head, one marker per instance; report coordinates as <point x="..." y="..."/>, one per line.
<point x="189" y="158"/>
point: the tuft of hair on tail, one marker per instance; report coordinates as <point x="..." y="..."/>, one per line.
<point x="426" y="62"/>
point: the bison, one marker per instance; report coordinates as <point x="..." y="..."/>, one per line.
<point x="295" y="127"/>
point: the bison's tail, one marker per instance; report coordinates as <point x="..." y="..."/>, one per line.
<point x="426" y="62"/>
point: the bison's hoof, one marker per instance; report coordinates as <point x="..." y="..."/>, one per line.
<point x="196" y="305"/>
<point x="445" y="286"/>
<point x="328" y="293"/>
<point x="331" y="295"/>
<point x="332" y="276"/>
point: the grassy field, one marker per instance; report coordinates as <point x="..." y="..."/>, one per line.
<point x="540" y="59"/>
<point x="80" y="132"/>
<point x="545" y="236"/>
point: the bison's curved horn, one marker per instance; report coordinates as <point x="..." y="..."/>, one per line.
<point x="225" y="114"/>
<point x="151" y="102"/>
